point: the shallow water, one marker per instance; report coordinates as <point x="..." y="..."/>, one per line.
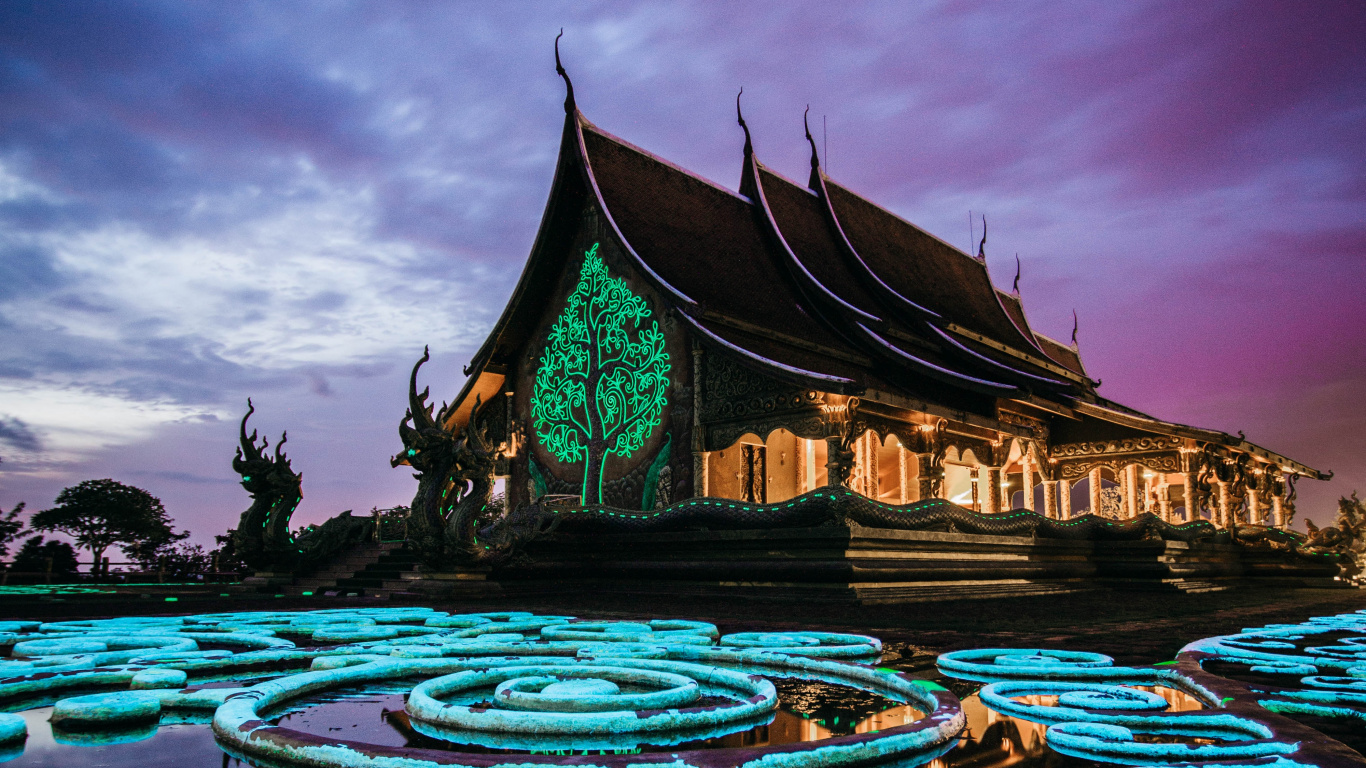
<point x="808" y="711"/>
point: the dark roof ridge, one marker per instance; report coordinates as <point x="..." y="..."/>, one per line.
<point x="1029" y="342"/>
<point x="588" y="125"/>
<point x="789" y="373"/>
<point x="876" y="285"/>
<point x="586" y="168"/>
<point x="932" y="371"/>
<point x="807" y="282"/>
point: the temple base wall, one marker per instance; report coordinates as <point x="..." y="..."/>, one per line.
<point x="873" y="565"/>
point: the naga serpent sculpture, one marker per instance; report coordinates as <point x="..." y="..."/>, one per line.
<point x="262" y="538"/>
<point x="275" y="489"/>
<point x="454" y="488"/>
<point x="834" y="505"/>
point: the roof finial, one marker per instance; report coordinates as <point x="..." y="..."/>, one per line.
<point x="1074" y="328"/>
<point x="815" y="159"/>
<point x="982" y="246"/>
<point x="749" y="147"/>
<point x="559" y="70"/>
<point x="1016" y="288"/>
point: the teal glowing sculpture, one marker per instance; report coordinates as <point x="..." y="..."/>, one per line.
<point x="602" y="382"/>
<point x="559" y="687"/>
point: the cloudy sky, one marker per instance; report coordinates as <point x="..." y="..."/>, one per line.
<point x="201" y="202"/>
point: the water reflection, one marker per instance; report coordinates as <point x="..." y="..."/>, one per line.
<point x="808" y="711"/>
<point x="993" y="740"/>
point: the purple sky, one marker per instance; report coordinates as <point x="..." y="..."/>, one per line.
<point x="201" y="202"/>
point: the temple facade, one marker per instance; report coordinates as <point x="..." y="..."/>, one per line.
<point x="670" y="338"/>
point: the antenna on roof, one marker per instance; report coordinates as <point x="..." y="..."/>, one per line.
<point x="815" y="161"/>
<point x="1074" y="329"/>
<point x="559" y="70"/>
<point x="982" y="246"/>
<point x="1016" y="288"/>
<point x="972" y="230"/>
<point x="749" y="147"/>
<point x="825" y="142"/>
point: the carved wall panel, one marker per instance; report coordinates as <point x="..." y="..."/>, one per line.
<point x="734" y="391"/>
<point x="1130" y="445"/>
<point x="1037" y="428"/>
<point x="1074" y="469"/>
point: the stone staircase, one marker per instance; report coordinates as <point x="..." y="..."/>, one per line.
<point x="356" y="572"/>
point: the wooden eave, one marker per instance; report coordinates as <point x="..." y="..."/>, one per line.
<point x="1135" y="420"/>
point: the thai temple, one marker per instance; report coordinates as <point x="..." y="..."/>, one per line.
<point x="670" y="338"/>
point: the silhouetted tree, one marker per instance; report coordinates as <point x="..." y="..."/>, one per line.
<point x="33" y="555"/>
<point x="10" y="527"/>
<point x="99" y="514"/>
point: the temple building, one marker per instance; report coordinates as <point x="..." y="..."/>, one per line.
<point x="670" y="338"/>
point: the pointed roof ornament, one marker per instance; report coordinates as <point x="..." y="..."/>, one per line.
<point x="982" y="246"/>
<point x="749" y="146"/>
<point x="1074" y="329"/>
<point x="815" y="159"/>
<point x="559" y="70"/>
<point x="1016" y="288"/>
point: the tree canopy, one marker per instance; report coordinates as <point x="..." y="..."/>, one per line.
<point x="99" y="514"/>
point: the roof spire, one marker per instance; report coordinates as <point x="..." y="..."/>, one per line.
<point x="982" y="246"/>
<point x="559" y="70"/>
<point x="815" y="159"/>
<point x="749" y="147"/>
<point x="1074" y="329"/>
<point x="1016" y="288"/>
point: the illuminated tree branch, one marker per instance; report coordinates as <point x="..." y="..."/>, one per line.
<point x="598" y="390"/>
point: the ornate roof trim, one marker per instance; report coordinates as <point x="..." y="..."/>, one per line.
<point x="932" y="371"/>
<point x="788" y="373"/>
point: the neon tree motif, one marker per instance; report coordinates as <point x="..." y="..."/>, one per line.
<point x="598" y="390"/>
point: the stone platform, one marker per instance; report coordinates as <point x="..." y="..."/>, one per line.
<point x="853" y="564"/>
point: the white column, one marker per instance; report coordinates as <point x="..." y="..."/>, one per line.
<point x="1254" y="508"/>
<point x="1094" y="479"/>
<point x="1131" y="508"/>
<point x="1064" y="499"/>
<point x="903" y="461"/>
<point x="1188" y="485"/>
<point x="1050" y="500"/>
<point x="1027" y="481"/>
<point x="1224" y="503"/>
<point x="989" y="488"/>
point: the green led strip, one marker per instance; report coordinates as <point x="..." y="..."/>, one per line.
<point x="602" y="382"/>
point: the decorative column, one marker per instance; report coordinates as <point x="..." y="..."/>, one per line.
<point x="903" y="473"/>
<point x="837" y="461"/>
<point x="699" y="456"/>
<point x="870" y="469"/>
<point x="1027" y="480"/>
<point x="1094" y="482"/>
<point x="925" y="478"/>
<point x="1164" y="501"/>
<point x="1064" y="499"/>
<point x="1188" y="480"/>
<point x="1131" y="508"/>
<point x="1225" y="502"/>
<point x="1050" y="500"/>
<point x="1254" y="507"/>
<point x="989" y="488"/>
<point x="1278" y="510"/>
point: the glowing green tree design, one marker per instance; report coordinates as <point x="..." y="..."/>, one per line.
<point x="601" y="387"/>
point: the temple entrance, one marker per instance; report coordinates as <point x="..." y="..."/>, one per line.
<point x="766" y="471"/>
